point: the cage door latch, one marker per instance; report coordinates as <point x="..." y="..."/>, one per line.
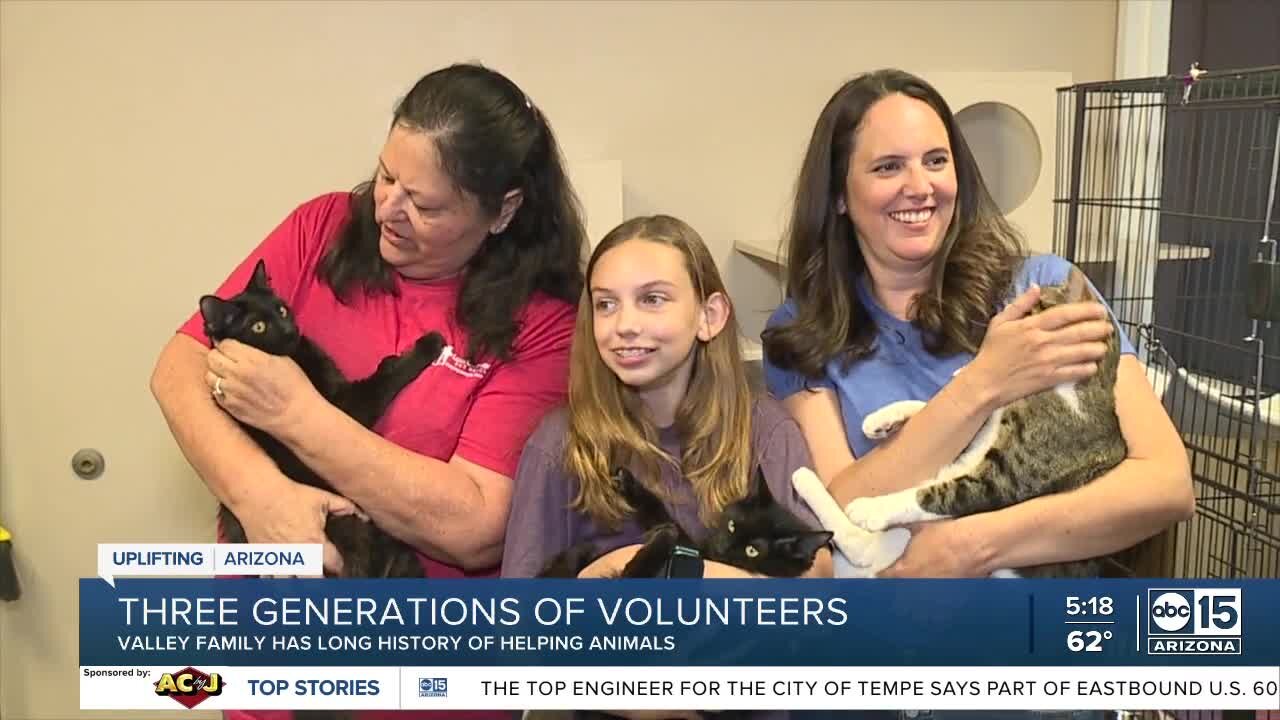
<point x="1263" y="291"/>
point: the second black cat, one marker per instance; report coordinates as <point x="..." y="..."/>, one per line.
<point x="260" y="318"/>
<point x="756" y="534"/>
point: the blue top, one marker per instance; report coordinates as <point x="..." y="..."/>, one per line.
<point x="899" y="368"/>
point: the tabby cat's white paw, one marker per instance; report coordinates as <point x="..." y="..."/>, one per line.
<point x="872" y="514"/>
<point x="889" y="546"/>
<point x="886" y="421"/>
<point x="877" y="513"/>
<point x="869" y="553"/>
<point x="858" y="547"/>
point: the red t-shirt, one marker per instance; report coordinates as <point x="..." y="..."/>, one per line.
<point x="483" y="412"/>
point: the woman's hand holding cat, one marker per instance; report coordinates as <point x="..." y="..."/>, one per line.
<point x="269" y="392"/>
<point x="294" y="513"/>
<point x="1024" y="354"/>
<point x="944" y="549"/>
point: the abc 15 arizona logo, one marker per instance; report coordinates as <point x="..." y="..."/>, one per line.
<point x="1193" y="621"/>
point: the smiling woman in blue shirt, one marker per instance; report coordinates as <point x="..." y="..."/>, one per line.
<point x="901" y="270"/>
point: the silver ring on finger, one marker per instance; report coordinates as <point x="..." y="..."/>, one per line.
<point x="217" y="389"/>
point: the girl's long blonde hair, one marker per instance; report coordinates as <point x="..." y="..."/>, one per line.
<point x="608" y="427"/>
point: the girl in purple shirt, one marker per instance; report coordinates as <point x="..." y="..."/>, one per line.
<point x="656" y="382"/>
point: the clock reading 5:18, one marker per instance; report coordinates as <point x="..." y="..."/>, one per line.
<point x="1089" y="605"/>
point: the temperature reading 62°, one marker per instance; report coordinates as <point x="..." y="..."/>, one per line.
<point x="1087" y="640"/>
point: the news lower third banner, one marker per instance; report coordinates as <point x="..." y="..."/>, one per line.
<point x="257" y="643"/>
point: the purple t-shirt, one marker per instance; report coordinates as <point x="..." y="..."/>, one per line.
<point x="542" y="524"/>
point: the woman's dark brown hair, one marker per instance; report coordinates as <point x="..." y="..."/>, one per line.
<point x="490" y="139"/>
<point x="974" y="269"/>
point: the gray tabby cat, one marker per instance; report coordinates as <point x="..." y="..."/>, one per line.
<point x="1053" y="441"/>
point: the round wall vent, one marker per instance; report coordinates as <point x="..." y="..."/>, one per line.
<point x="1007" y="150"/>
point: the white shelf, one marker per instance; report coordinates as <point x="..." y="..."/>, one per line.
<point x="1167" y="251"/>
<point x="752" y="350"/>
<point x="764" y="252"/>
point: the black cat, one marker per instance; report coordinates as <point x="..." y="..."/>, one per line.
<point x="258" y="317"/>
<point x="756" y="534"/>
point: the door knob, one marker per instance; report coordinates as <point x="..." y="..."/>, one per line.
<point x="88" y="463"/>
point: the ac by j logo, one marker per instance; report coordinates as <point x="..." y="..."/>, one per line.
<point x="1194" y="620"/>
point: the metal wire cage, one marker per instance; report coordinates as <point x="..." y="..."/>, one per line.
<point x="1166" y="199"/>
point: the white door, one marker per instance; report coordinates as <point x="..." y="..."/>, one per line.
<point x="129" y="185"/>
<point x="145" y="148"/>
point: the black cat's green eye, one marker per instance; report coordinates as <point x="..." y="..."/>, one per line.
<point x="260" y="327"/>
<point x="730" y="526"/>
<point x="752" y="551"/>
<point x="284" y="311"/>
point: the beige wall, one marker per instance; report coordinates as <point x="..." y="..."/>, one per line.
<point x="145" y="147"/>
<point x="212" y="120"/>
